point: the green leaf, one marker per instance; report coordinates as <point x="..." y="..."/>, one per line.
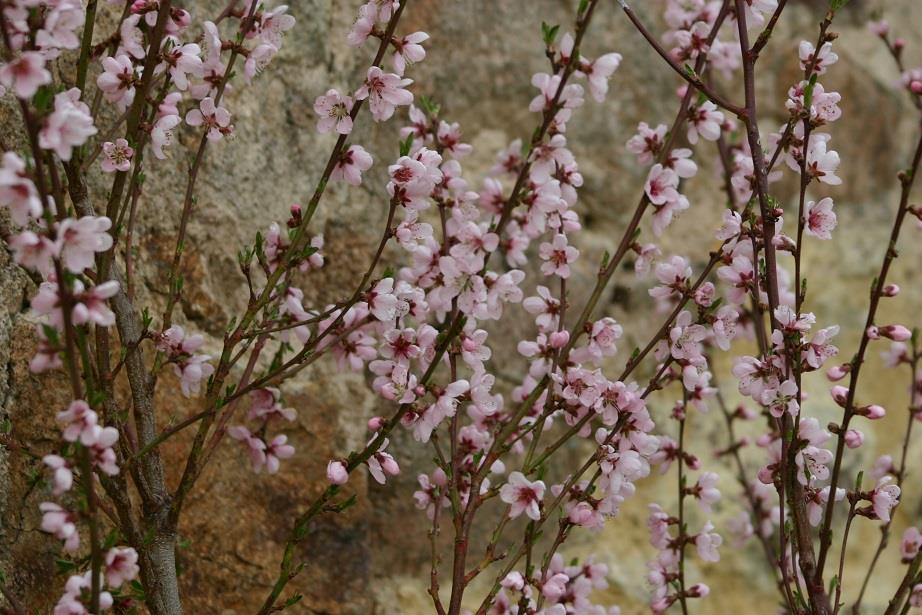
<point x="405" y="145"/>
<point x="808" y="93"/>
<point x="429" y="106"/>
<point x="549" y="33"/>
<point x="43" y="98"/>
<point x="583" y="5"/>
<point x="835" y="5"/>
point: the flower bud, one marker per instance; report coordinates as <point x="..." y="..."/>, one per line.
<point x="337" y="473"/>
<point x="698" y="590"/>
<point x="375" y="423"/>
<point x="559" y="339"/>
<point x="872" y="412"/>
<point x="897" y="333"/>
<point x="838" y="372"/>
<point x="389" y="465"/>
<point x="890" y="290"/>
<point x="873" y="333"/>
<point x="839" y="395"/>
<point x="854" y="438"/>
<point x="439" y="478"/>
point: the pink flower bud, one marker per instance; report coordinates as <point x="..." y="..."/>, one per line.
<point x="389" y="465"/>
<point x="916" y="87"/>
<point x="375" y="423"/>
<point x="698" y="590"/>
<point x="872" y="412"/>
<point x="337" y="473"/>
<point x="559" y="339"/>
<point x="692" y="462"/>
<point x="854" y="438"/>
<point x="839" y="395"/>
<point x="765" y="475"/>
<point x="897" y="333"/>
<point x="880" y="28"/>
<point x="873" y="333"/>
<point x="838" y="372"/>
<point x="899" y="43"/>
<point x="890" y="290"/>
<point x="439" y="478"/>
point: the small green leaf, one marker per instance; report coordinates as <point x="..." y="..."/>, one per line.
<point x="405" y="145"/>
<point x="43" y="98"/>
<point x="835" y="5"/>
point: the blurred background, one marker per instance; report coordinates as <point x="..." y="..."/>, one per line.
<point x="374" y="558"/>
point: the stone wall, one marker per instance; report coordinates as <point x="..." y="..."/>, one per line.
<point x="374" y="559"/>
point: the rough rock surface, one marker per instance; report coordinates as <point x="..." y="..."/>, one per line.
<point x="373" y="559"/>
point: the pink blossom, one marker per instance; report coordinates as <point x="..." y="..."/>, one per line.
<point x="599" y="72"/>
<point x="523" y="495"/>
<point x="258" y="59"/>
<point x="63" y="477"/>
<point x="117" y="80"/>
<point x="570" y="98"/>
<point x="17" y="191"/>
<point x="821" y="61"/>
<point x="554" y="587"/>
<point x="898" y="353"/>
<point x="181" y="61"/>
<point x="121" y="566"/>
<point x="81" y="239"/>
<point x="910" y="544"/>
<point x="679" y="160"/>
<point x="215" y="119"/>
<point x="191" y="370"/>
<point x="276" y="450"/>
<point x="131" y="38"/>
<point x="884" y="498"/>
<point x="706" y="491"/>
<point x="820" y="217"/>
<point x="333" y="111"/>
<point x="385" y="92"/>
<point x="61" y="523"/>
<point x="449" y="136"/>
<point x="783" y="399"/>
<point x="364" y="25"/>
<point x="381" y="464"/>
<point x="69" y="126"/>
<point x="724" y="326"/>
<point x="661" y="185"/>
<point x="408" y="50"/>
<point x="34" y="251"/>
<point x="647" y="143"/>
<point x="822" y="164"/>
<point x="704" y="120"/>
<point x="161" y="135"/>
<point x="116" y="156"/>
<point x="25" y="74"/>
<point x="557" y="256"/>
<point x="351" y="164"/>
<point x="255" y="447"/>
<point x="79" y="422"/>
<point x="75" y="591"/>
<point x="707" y="543"/>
